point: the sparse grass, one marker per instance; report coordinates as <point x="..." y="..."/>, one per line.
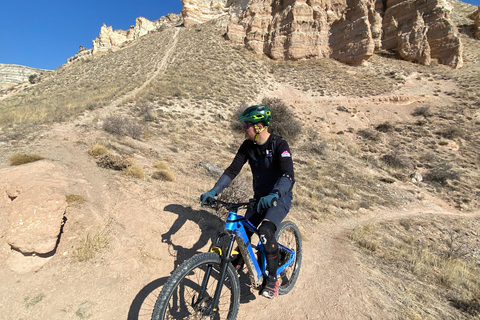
<point x="91" y="244"/>
<point x="22" y="158"/>
<point x="31" y="301"/>
<point x="423" y="248"/>
<point x="75" y="199"/>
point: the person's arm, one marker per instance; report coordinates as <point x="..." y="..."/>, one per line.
<point x="286" y="181"/>
<point x="233" y="170"/>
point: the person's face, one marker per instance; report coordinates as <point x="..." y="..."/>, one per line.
<point x="249" y="130"/>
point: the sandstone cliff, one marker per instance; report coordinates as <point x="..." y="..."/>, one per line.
<point x="476" y="18"/>
<point x="112" y="40"/>
<point x="11" y="74"/>
<point x="347" y="30"/>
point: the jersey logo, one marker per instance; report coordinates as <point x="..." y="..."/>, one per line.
<point x="286" y="154"/>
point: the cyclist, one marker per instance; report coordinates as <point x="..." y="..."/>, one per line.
<point x="273" y="178"/>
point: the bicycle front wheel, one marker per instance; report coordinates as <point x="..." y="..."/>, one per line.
<point x="179" y="296"/>
<point x="289" y="236"/>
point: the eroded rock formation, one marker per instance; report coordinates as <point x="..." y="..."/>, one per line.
<point x="11" y="74"/>
<point x="112" y="40"/>
<point x="347" y="30"/>
<point x="476" y="19"/>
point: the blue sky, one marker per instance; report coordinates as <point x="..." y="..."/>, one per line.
<point x="44" y="34"/>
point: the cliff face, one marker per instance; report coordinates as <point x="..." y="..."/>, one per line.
<point x="476" y="19"/>
<point x="112" y="40"/>
<point x="11" y="74"/>
<point x="347" y="30"/>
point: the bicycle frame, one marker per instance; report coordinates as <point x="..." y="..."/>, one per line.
<point x="236" y="227"/>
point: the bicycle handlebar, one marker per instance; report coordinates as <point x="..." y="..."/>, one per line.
<point x="236" y="205"/>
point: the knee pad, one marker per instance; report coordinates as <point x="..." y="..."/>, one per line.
<point x="266" y="232"/>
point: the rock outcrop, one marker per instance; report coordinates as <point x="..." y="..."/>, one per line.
<point x="111" y="40"/>
<point x="12" y="74"/>
<point x="476" y="19"/>
<point x="349" y="31"/>
<point x="32" y="213"/>
<point x="199" y="11"/>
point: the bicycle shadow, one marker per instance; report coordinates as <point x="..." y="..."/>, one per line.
<point x="209" y="224"/>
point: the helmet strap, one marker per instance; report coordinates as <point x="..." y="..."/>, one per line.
<point x="257" y="133"/>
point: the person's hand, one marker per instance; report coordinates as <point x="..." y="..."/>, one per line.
<point x="267" y="202"/>
<point x="207" y="197"/>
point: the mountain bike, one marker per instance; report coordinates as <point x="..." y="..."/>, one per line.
<point x="207" y="286"/>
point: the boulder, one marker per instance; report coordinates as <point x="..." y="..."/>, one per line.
<point x="32" y="208"/>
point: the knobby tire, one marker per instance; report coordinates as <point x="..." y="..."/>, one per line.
<point x="289" y="235"/>
<point x="183" y="287"/>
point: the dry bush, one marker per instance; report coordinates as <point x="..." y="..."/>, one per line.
<point x="369" y="134"/>
<point x="283" y="120"/>
<point x="385" y="127"/>
<point x="113" y="161"/>
<point x="422" y="111"/>
<point x="98" y="150"/>
<point x="23" y="158"/>
<point x="160" y="165"/>
<point x="452" y="132"/>
<point x="394" y="161"/>
<point x="441" y="174"/>
<point x="134" y="170"/>
<point x="123" y="126"/>
<point x="164" y="175"/>
<point x="90" y="245"/>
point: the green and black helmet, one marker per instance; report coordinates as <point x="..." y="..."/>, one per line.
<point x="256" y="114"/>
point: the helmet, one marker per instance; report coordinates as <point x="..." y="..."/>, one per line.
<point x="256" y="114"/>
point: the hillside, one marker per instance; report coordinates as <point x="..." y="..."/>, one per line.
<point x="377" y="244"/>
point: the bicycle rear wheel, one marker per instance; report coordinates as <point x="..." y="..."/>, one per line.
<point x="177" y="298"/>
<point x="289" y="236"/>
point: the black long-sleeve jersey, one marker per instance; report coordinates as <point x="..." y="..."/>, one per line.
<point x="271" y="164"/>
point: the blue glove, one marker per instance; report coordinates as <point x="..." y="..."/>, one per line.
<point x="267" y="202"/>
<point x="207" y="196"/>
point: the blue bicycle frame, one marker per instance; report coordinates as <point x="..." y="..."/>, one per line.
<point x="237" y="224"/>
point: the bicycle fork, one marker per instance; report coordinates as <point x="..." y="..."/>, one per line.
<point x="213" y="307"/>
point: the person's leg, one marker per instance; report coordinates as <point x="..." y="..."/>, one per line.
<point x="271" y="222"/>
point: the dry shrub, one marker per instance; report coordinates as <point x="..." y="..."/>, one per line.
<point x="394" y="161"/>
<point x="363" y="235"/>
<point x="123" y="126"/>
<point x="369" y="134"/>
<point x="113" y="161"/>
<point x="441" y="174"/>
<point x="422" y="111"/>
<point x="385" y="127"/>
<point x="452" y="132"/>
<point x="23" y="158"/>
<point x="90" y="245"/>
<point x="134" y="170"/>
<point x="98" y="150"/>
<point x="160" y="165"/>
<point x="164" y="175"/>
<point x="283" y="120"/>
